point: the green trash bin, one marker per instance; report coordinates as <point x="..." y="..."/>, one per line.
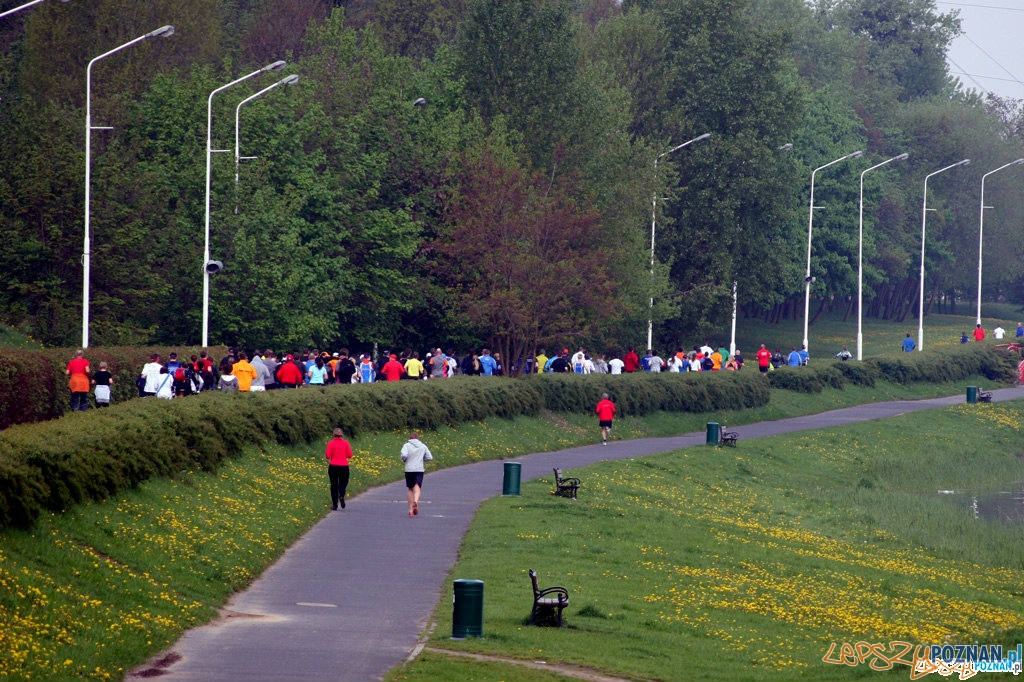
<point x="972" y="394"/>
<point x="510" y="484"/>
<point x="714" y="433"/>
<point x="468" y="609"/>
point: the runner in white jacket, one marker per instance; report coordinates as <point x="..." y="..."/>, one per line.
<point x="414" y="454"/>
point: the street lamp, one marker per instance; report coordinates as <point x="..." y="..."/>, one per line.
<point x="287" y="80"/>
<point x="25" y="6"/>
<point x="654" y="207"/>
<point x="808" y="280"/>
<point x="732" y="338"/>
<point x="981" y="225"/>
<point x="162" y="32"/>
<point x="860" y="257"/>
<point x="924" y="220"/>
<point x="276" y="66"/>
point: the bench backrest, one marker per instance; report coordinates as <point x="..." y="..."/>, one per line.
<point x="558" y="475"/>
<point x="533" y="578"/>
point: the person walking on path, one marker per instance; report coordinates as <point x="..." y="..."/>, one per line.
<point x="77" y="372"/>
<point x="338" y="453"/>
<point x="999" y="332"/>
<point x="979" y="333"/>
<point x="908" y="344"/>
<point x="605" y="414"/>
<point x="414" y="454"/>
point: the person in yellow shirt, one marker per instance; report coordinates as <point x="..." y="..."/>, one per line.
<point x="542" y="360"/>
<point x="243" y="371"/>
<point x="413" y="367"/>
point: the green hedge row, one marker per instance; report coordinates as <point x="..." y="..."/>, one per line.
<point x="938" y="366"/>
<point x="34" y="388"/>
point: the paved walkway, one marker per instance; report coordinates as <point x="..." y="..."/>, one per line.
<point x="350" y="599"/>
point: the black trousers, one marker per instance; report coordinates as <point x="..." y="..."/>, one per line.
<point x="339" y="482"/>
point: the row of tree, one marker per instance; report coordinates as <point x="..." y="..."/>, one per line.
<point x="515" y="207"/>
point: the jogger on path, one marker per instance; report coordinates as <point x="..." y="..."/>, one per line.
<point x="414" y="454"/>
<point x="339" y="451"/>
<point x="605" y="414"/>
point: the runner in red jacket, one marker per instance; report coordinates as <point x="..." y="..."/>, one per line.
<point x="605" y="413"/>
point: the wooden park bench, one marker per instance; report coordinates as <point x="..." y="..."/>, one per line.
<point x="547" y="603"/>
<point x="565" y="487"/>
<point x="984" y="396"/>
<point x="728" y="437"/>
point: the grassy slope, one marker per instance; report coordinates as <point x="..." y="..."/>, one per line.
<point x="745" y="564"/>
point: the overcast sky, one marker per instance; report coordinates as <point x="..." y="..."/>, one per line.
<point x="989" y="56"/>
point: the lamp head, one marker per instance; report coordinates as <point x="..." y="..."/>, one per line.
<point x="289" y="80"/>
<point x="703" y="137"/>
<point x="1018" y="161"/>
<point x="855" y="154"/>
<point x="162" y="32"/>
<point x="420" y="102"/>
<point x="905" y="155"/>
<point x="965" y="162"/>
<point x="276" y="66"/>
<point x="786" y="147"/>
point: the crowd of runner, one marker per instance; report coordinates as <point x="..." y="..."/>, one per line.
<point x="264" y="370"/>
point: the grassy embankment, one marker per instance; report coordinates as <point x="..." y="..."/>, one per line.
<point x="747" y="564"/>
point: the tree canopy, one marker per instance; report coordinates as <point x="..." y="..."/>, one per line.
<point x="487" y="172"/>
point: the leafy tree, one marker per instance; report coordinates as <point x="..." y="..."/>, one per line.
<point x="532" y="269"/>
<point x="731" y="77"/>
<point x="906" y="41"/>
<point x="519" y="59"/>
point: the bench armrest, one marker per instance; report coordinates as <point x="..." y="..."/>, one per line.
<point x="560" y="592"/>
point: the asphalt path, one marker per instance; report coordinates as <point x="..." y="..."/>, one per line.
<point x="350" y="600"/>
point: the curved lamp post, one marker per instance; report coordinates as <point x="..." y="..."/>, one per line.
<point x="924" y="221"/>
<point x="808" y="280"/>
<point x="276" y="66"/>
<point x="860" y="256"/>
<point x="25" y="6"/>
<point x="654" y="207"/>
<point x="162" y="32"/>
<point x="981" y="225"/>
<point x="287" y="80"/>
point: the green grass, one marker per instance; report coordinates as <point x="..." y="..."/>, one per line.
<point x="746" y="564"/>
<point x="90" y="593"/>
<point x="881" y="337"/>
<point x="11" y="338"/>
